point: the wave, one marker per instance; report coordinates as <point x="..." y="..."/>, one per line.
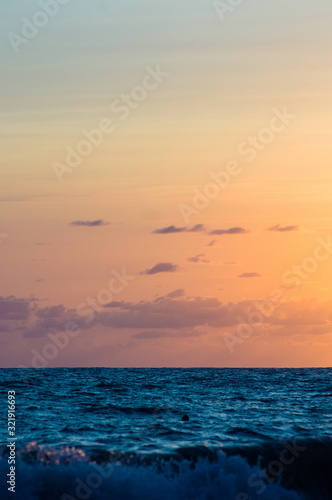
<point x="111" y="385"/>
<point x="273" y="471"/>
<point x="128" y="410"/>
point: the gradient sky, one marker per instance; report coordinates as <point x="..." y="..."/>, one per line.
<point x="195" y="283"/>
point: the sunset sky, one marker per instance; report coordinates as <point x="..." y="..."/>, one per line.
<point x="153" y="101"/>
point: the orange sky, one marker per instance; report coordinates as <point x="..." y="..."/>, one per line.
<point x="152" y="104"/>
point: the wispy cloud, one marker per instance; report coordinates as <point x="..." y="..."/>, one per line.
<point x="212" y="243"/>
<point x="173" y="229"/>
<point x="166" y="333"/>
<point x="176" y="293"/>
<point x="231" y="230"/>
<point x="162" y="267"/>
<point x="170" y="230"/>
<point x="89" y="223"/>
<point x="283" y="229"/>
<point x="198" y="258"/>
<point x="249" y="275"/>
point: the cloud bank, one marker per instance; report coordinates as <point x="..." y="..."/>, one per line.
<point x="172" y="312"/>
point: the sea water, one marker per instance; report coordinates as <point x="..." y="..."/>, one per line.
<point x="100" y="433"/>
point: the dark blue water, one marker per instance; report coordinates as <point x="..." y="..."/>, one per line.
<point x="251" y="433"/>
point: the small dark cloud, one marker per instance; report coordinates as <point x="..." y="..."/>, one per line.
<point x="162" y="267"/>
<point x="212" y="243"/>
<point x="39" y="280"/>
<point x="198" y="228"/>
<point x="231" y="230"/>
<point x="283" y="229"/>
<point x="89" y="223"/>
<point x="170" y="230"/>
<point x="249" y="275"/>
<point x="198" y="258"/>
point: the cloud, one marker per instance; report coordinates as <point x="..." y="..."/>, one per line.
<point x="293" y="329"/>
<point x="232" y="230"/>
<point x="198" y="258"/>
<point x="12" y="308"/>
<point x="249" y="275"/>
<point x="162" y="267"/>
<point x="173" y="229"/>
<point x="149" y="335"/>
<point x="177" y="293"/>
<point x="163" y="334"/>
<point x="22" y="315"/>
<point x="169" y="315"/>
<point x="165" y="312"/>
<point x="197" y="229"/>
<point x="170" y="230"/>
<point x="284" y="229"/>
<point x="188" y="313"/>
<point x="172" y="295"/>
<point x="52" y="319"/>
<point x="51" y="312"/>
<point x="212" y="243"/>
<point x="90" y="223"/>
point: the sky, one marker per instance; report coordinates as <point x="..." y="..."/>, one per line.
<point x="165" y="183"/>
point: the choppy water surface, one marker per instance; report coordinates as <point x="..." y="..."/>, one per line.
<point x="239" y="419"/>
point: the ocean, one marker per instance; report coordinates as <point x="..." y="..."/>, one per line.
<point x="119" y="434"/>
